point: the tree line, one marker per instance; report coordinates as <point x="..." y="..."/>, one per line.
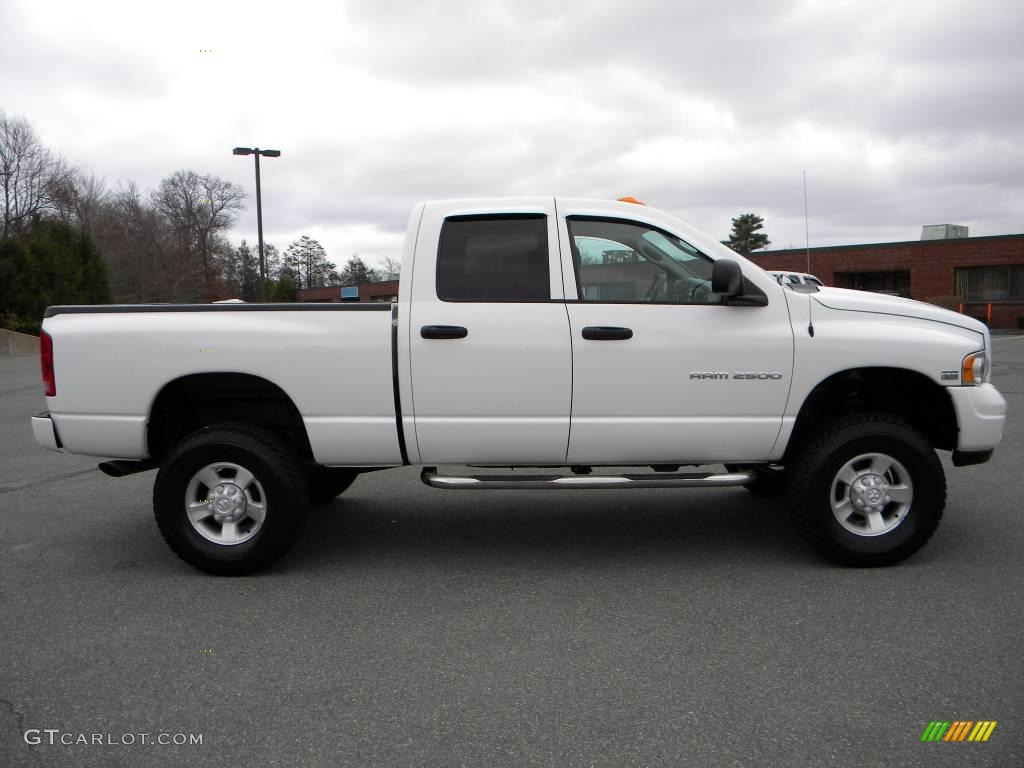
<point x="66" y="237"/>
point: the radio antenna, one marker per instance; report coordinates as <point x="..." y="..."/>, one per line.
<point x="807" y="245"/>
<point x="807" y="230"/>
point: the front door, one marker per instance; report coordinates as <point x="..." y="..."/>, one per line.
<point x="662" y="371"/>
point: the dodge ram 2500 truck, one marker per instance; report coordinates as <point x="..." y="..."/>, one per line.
<point x="557" y="334"/>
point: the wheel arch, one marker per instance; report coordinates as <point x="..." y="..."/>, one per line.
<point x="917" y="399"/>
<point x="191" y="402"/>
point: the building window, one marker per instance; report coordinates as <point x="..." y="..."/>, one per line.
<point x="494" y="258"/>
<point x="896" y="283"/>
<point x="1004" y="283"/>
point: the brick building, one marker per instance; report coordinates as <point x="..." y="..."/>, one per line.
<point x="979" y="272"/>
<point x="385" y="290"/>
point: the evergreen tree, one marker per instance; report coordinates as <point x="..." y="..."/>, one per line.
<point x="308" y="262"/>
<point x="356" y="271"/>
<point x="15" y="278"/>
<point x="745" y="236"/>
<point x="282" y="289"/>
<point x="52" y="263"/>
<point x="248" y="268"/>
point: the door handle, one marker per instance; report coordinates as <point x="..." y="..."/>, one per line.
<point x="443" y="332"/>
<point x="607" y="333"/>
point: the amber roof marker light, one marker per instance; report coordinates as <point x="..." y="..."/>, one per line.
<point x="631" y="200"/>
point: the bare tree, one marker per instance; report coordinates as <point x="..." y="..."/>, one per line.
<point x="30" y="175"/>
<point x="392" y="266"/>
<point x="139" y="244"/>
<point x="79" y="199"/>
<point x="198" y="209"/>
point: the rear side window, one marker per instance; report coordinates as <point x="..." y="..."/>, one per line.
<point x="494" y="258"/>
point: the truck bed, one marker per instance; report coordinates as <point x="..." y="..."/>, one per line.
<point x="334" y="361"/>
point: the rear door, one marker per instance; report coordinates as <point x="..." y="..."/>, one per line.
<point x="663" y="372"/>
<point x="490" y="353"/>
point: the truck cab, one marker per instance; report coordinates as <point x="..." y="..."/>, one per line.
<point x="606" y="319"/>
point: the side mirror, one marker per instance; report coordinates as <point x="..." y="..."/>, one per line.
<point x="727" y="279"/>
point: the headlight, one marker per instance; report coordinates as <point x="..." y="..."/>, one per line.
<point x="974" y="369"/>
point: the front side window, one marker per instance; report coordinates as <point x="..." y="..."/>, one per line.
<point x="624" y="261"/>
<point x="494" y="258"/>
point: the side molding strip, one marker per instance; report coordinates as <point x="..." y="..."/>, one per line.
<point x="394" y="385"/>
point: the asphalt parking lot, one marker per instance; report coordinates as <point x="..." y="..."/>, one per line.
<point x="415" y="627"/>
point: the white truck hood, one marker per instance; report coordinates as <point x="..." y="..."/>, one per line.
<point x="864" y="301"/>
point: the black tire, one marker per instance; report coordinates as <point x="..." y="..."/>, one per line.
<point x="767" y="481"/>
<point x="815" y="467"/>
<point x="278" y="484"/>
<point x="327" y="483"/>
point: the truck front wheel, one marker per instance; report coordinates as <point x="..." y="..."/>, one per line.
<point x="230" y="499"/>
<point x="867" y="491"/>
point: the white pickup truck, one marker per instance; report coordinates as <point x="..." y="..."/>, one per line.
<point x="568" y="336"/>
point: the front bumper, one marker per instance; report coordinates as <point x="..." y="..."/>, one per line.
<point x="980" y="416"/>
<point x="45" y="431"/>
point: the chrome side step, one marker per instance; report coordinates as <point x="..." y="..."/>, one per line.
<point x="579" y="482"/>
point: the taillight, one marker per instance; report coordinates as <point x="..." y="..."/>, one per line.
<point x="46" y="358"/>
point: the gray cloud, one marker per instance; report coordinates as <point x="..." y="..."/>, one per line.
<point x="38" y="66"/>
<point x="902" y="114"/>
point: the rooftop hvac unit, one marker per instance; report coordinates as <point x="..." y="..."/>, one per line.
<point x="943" y="231"/>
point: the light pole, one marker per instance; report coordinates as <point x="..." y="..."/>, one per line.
<point x="259" y="208"/>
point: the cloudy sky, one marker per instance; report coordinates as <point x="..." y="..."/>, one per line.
<point x="901" y="113"/>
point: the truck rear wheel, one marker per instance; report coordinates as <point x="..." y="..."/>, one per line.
<point x="230" y="499"/>
<point x="867" y="491"/>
